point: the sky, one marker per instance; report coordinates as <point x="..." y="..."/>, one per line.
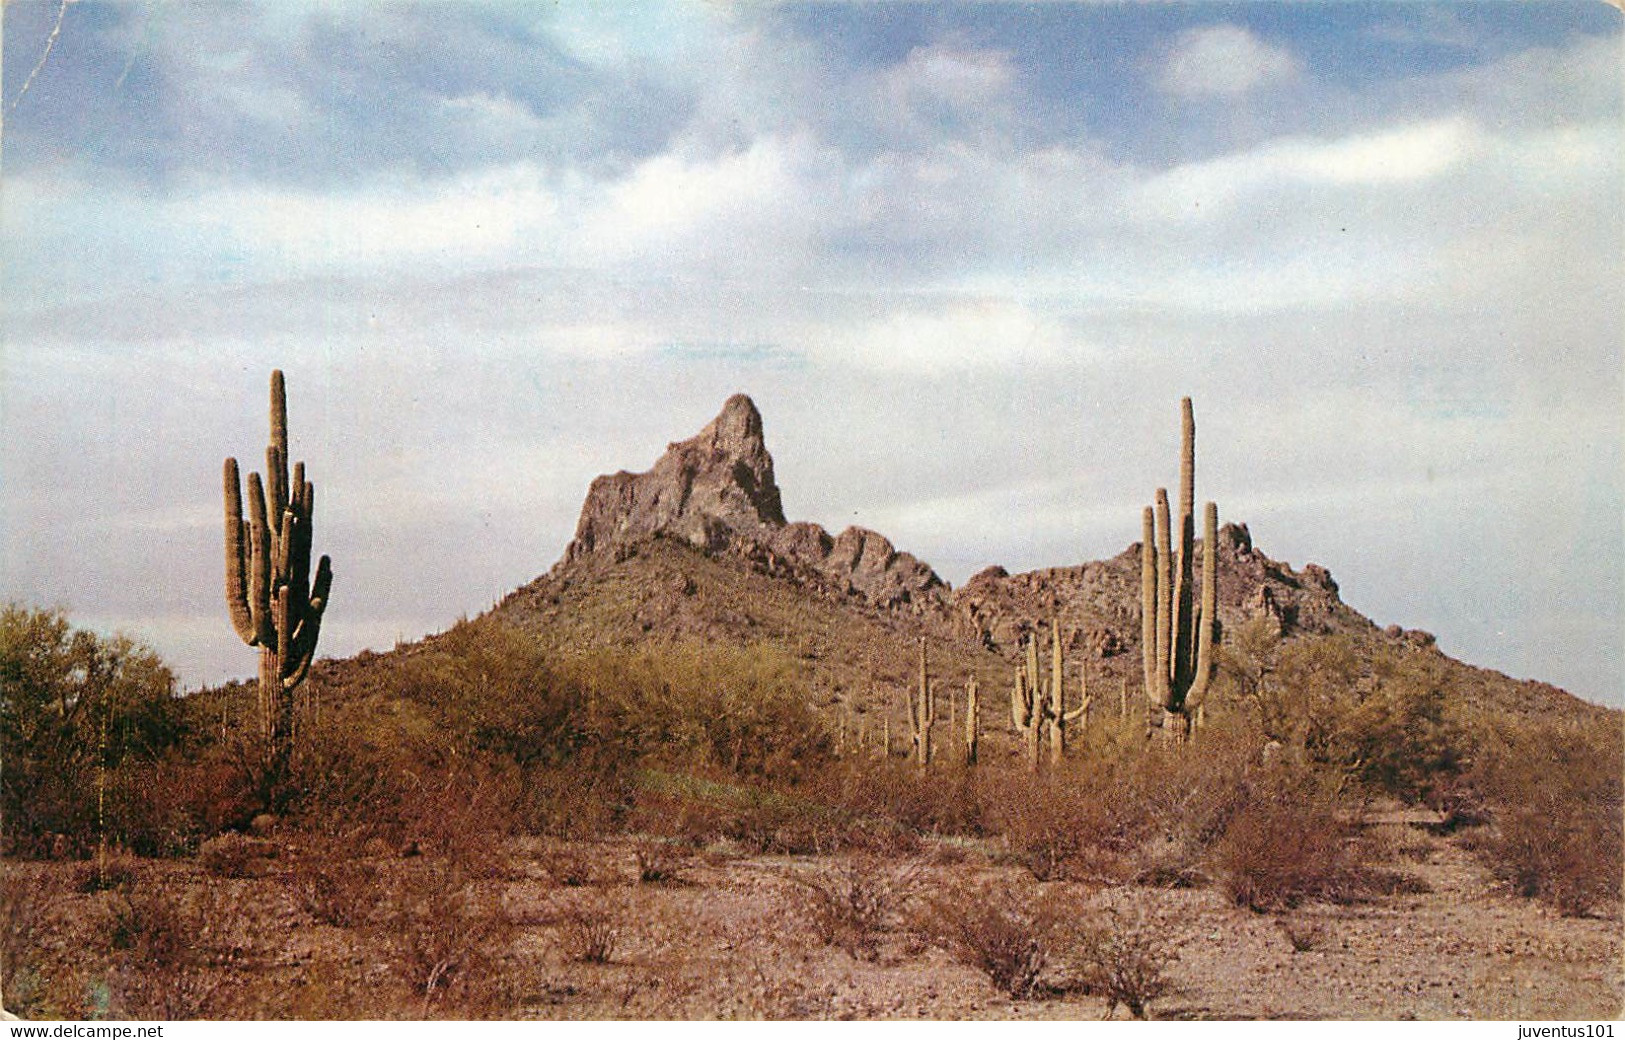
<point x="965" y="258"/>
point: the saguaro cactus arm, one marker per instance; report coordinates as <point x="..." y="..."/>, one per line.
<point x="238" y="559"/>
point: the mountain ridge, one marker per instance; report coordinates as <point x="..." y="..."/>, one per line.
<point x="697" y="548"/>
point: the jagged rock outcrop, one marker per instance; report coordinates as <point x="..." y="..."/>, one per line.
<point x="716" y="492"/>
<point x="706" y="491"/>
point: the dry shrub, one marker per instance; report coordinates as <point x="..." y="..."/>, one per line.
<point x="1556" y="797"/>
<point x="150" y="924"/>
<point x="884" y="805"/>
<point x="770" y="822"/>
<point x="1008" y="934"/>
<point x="229" y="855"/>
<point x="174" y="951"/>
<point x="106" y="873"/>
<point x="1179" y="802"/>
<point x="1566" y="856"/>
<point x="851" y="904"/>
<point x="590" y="929"/>
<point x="1292" y="840"/>
<point x="445" y="931"/>
<point x="340" y="891"/>
<point x="1125" y="960"/>
<point x="1303" y="934"/>
<point x="660" y="860"/>
<point x="27" y="907"/>
<point x="573" y="866"/>
<point x="1061" y="824"/>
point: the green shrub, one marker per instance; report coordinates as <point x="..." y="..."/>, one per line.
<point x="77" y="712"/>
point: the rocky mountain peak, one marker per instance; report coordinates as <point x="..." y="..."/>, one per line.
<point x="716" y="492"/>
<point x="708" y="490"/>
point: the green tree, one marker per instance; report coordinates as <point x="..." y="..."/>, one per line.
<point x="75" y="708"/>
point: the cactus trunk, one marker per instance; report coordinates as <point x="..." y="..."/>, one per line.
<point x="922" y="713"/>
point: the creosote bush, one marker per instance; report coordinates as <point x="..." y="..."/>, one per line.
<point x="1008" y="933"/>
<point x="1126" y="960"/>
<point x="1293" y="839"/>
<point x="852" y="903"/>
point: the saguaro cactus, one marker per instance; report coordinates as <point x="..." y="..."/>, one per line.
<point x="1035" y="703"/>
<point x="1059" y="717"/>
<point x="1176" y="631"/>
<point x="274" y="602"/>
<point x="1027" y="705"/>
<point x="922" y="713"/>
<point x="971" y="716"/>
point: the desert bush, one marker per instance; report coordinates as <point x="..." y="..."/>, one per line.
<point x="573" y="866"/>
<point x="27" y="908"/>
<point x="444" y="931"/>
<point x="106" y="873"/>
<point x="1007" y="933"/>
<point x="590" y="929"/>
<point x="77" y="710"/>
<point x="1304" y="935"/>
<point x="229" y="855"/>
<point x="1399" y="734"/>
<point x="152" y="924"/>
<point x="174" y="950"/>
<point x="1061" y="822"/>
<point x="660" y="860"/>
<point x="1126" y="960"/>
<point x="340" y="891"/>
<point x="699" y="706"/>
<point x="1292" y="840"/>
<point x="1555" y="796"/>
<point x="851" y="904"/>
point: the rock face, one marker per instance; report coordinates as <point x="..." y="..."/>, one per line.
<point x="716" y="492"/>
<point x="706" y="491"/>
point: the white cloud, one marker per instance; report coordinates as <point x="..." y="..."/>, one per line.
<point x="957" y="75"/>
<point x="698" y="204"/>
<point x="481" y="214"/>
<point x="1225" y="60"/>
<point x="937" y="336"/>
<point x="1395" y="156"/>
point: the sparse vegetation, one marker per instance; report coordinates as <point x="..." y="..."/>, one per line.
<point x="1126" y="960"/>
<point x="851" y="904"/>
<point x="1008" y="933"/>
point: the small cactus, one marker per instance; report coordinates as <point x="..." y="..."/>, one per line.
<point x="971" y="715"/>
<point x="1035" y="704"/>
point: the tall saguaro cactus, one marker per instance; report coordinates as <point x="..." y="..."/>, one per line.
<point x="1176" y="631"/>
<point x="922" y="713"/>
<point x="275" y="603"/>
